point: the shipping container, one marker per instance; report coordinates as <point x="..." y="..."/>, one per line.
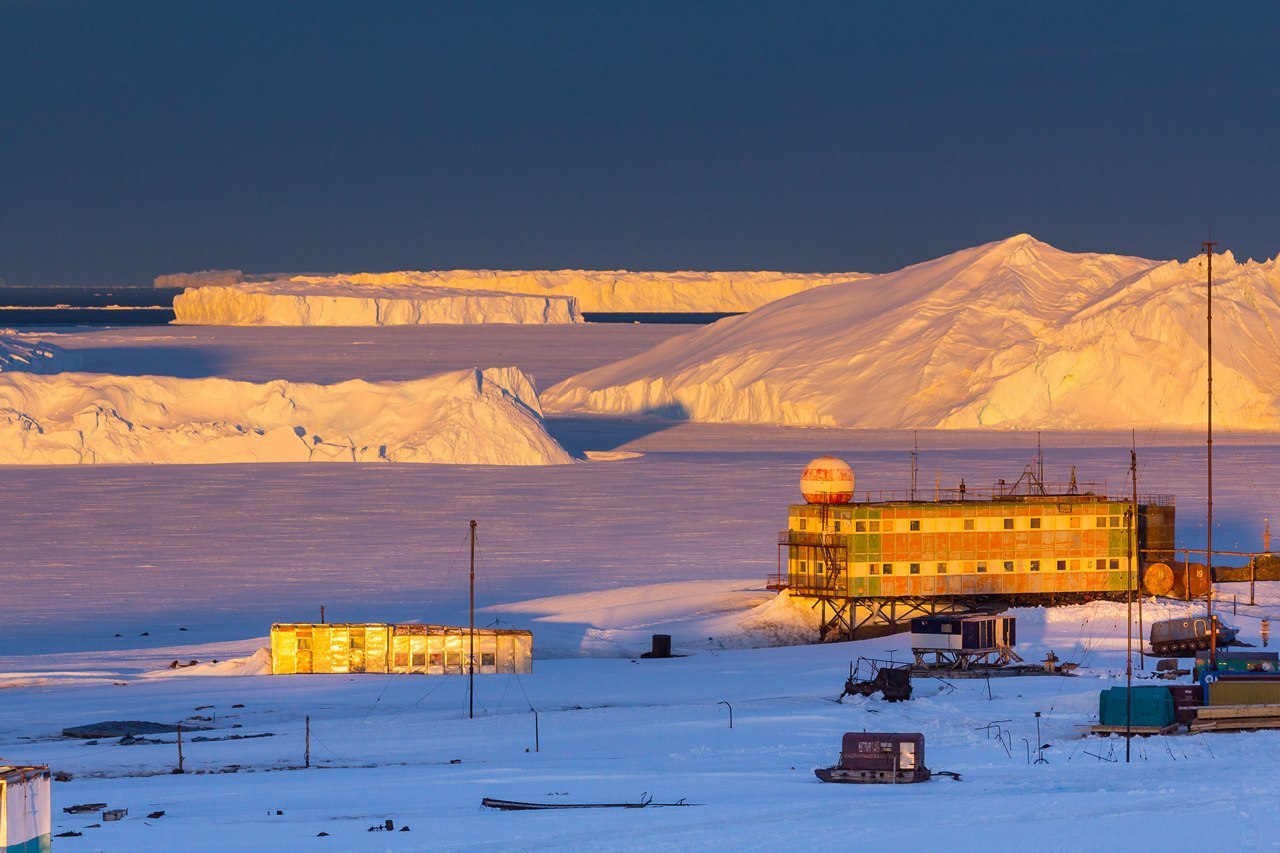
<point x="25" y="809"/>
<point x="1149" y="707"/>
<point x="1242" y="689"/>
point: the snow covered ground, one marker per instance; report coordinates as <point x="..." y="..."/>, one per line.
<point x="1011" y="334"/>
<point x="616" y="730"/>
<point x="227" y="297"/>
<point x="103" y="566"/>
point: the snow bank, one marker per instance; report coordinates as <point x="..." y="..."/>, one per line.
<point x="1012" y="334"/>
<point x="703" y="614"/>
<point x="473" y="417"/>
<point x="17" y="354"/>
<point x="338" y="303"/>
<point x="258" y="663"/>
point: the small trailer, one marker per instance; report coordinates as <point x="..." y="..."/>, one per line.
<point x="1183" y="637"/>
<point x="878" y="757"/>
<point x="959" y="642"/>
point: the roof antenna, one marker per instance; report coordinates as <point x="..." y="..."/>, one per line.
<point x="1039" y="464"/>
<point x="915" y="453"/>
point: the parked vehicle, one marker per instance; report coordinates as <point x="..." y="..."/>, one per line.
<point x="1183" y="637"/>
<point x="878" y="757"/>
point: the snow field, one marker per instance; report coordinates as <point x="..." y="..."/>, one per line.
<point x="612" y="730"/>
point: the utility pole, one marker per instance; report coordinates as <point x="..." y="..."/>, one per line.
<point x="471" y="650"/>
<point x="1136" y="583"/>
<point x="1213" y="625"/>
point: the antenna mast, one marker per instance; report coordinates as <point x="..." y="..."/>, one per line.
<point x="915" y="454"/>
<point x="1213" y="625"/>
<point x="471" y="647"/>
<point x="1039" y="462"/>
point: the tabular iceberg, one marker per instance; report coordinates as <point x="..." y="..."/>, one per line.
<point x="338" y="303"/>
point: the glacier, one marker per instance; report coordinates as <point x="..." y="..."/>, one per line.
<point x="468" y="417"/>
<point x="1010" y="334"/>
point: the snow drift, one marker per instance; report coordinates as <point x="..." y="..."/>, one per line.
<point x="34" y="356"/>
<point x="341" y="303"/>
<point x="1012" y="334"/>
<point x="471" y="417"/>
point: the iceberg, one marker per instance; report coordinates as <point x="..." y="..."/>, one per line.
<point x="18" y="354"/>
<point x="1012" y="334"/>
<point x="469" y="417"/>
<point x="229" y="297"/>
<point x="335" y="303"/>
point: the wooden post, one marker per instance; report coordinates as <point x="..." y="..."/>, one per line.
<point x="180" y="763"/>
<point x="306" y="757"/>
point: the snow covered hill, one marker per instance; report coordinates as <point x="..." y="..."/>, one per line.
<point x="470" y="417"/>
<point x="335" y="302"/>
<point x="1012" y="334"/>
<point x="19" y="354"/>
<point x="228" y="297"/>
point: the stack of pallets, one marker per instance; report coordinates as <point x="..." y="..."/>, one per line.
<point x="1235" y="718"/>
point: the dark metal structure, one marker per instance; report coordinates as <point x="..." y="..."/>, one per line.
<point x="892" y="680"/>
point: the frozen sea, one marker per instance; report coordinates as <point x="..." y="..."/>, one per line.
<point x="101" y="567"/>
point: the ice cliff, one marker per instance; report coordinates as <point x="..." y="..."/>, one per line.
<point x="339" y="303"/>
<point x="470" y="417"/>
<point x="228" y="297"/>
<point x="1013" y="334"/>
<point x="19" y="354"/>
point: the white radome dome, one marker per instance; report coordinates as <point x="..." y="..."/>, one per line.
<point x="827" y="480"/>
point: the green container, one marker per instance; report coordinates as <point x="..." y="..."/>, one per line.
<point x="1152" y="706"/>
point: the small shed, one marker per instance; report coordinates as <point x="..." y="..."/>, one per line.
<point x="25" y="811"/>
<point x="345" y="647"/>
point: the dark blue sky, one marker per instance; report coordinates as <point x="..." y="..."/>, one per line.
<point x="141" y="138"/>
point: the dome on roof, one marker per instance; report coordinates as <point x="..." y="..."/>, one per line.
<point x="827" y="480"/>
